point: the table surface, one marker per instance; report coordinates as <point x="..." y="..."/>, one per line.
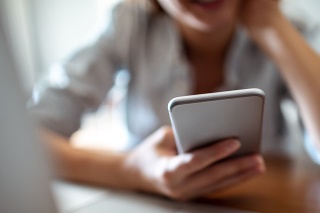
<point x="291" y="184"/>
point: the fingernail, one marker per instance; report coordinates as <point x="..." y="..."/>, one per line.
<point x="233" y="145"/>
<point x="256" y="161"/>
<point x="262" y="166"/>
<point x="260" y="169"/>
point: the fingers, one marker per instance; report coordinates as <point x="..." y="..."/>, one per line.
<point x="162" y="138"/>
<point x="224" y="170"/>
<point x="193" y="174"/>
<point x="234" y="180"/>
<point x="174" y="170"/>
<point x="236" y="166"/>
<point x="218" y="177"/>
<point x="228" y="182"/>
<point x="190" y="163"/>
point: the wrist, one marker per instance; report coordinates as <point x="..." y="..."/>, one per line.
<point x="261" y="16"/>
<point x="269" y="35"/>
<point x="127" y="174"/>
<point x="259" y="32"/>
<point x="132" y="175"/>
<point x="140" y="176"/>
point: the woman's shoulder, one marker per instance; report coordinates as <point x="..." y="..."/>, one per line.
<point x="129" y="16"/>
<point x="128" y="21"/>
<point x="134" y="28"/>
<point x="122" y="26"/>
<point x="127" y="10"/>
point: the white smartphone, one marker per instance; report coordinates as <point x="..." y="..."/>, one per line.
<point x="200" y="120"/>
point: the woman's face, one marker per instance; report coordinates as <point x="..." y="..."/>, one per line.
<point x="203" y="15"/>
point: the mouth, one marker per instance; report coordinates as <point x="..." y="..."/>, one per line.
<point x="208" y="4"/>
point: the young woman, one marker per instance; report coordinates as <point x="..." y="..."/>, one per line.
<point x="172" y="48"/>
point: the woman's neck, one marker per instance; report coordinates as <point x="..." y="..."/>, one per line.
<point x="212" y="45"/>
<point x="206" y="53"/>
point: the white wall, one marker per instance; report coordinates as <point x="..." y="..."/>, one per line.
<point x="311" y="6"/>
<point x="43" y="32"/>
<point x="61" y="26"/>
<point x="58" y="27"/>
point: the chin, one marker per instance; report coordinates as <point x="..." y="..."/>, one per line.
<point x="212" y="25"/>
<point x="213" y="19"/>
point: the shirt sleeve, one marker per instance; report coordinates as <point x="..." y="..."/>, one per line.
<point x="81" y="82"/>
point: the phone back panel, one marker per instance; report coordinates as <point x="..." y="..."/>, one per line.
<point x="197" y="124"/>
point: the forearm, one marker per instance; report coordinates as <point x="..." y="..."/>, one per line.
<point x="104" y="168"/>
<point x="300" y="68"/>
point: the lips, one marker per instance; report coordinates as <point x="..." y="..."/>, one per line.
<point x="208" y="4"/>
<point x="205" y="1"/>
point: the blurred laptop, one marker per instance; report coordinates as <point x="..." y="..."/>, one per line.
<point x="25" y="174"/>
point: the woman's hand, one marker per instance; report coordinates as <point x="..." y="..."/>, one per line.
<point x="155" y="167"/>
<point x="258" y="16"/>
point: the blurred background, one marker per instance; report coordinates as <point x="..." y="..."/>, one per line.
<point x="44" y="32"/>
